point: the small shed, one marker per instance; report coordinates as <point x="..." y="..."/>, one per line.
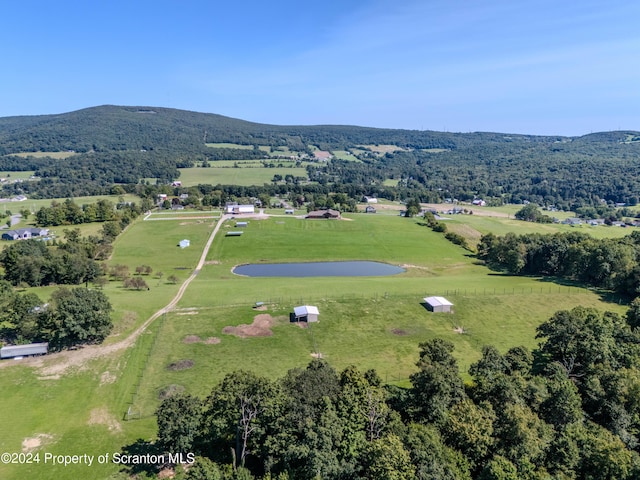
<point x="236" y="233"/>
<point x="184" y="243"/>
<point x="13" y="351"/>
<point x="242" y="224"/>
<point x="306" y="313"/>
<point x="438" y="304"/>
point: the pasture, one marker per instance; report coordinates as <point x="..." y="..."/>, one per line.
<point x="248" y="173"/>
<point x="372" y="322"/>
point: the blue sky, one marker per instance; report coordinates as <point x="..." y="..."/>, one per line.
<point x="540" y="67"/>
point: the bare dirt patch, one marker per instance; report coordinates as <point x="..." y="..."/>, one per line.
<point x="107" y="377"/>
<point x="180" y="365"/>
<point x="317" y="355"/>
<point x="212" y="262"/>
<point x="169" y="391"/>
<point x="261" y="327"/>
<point x="261" y="308"/>
<point x="192" y="339"/>
<point x="459" y="330"/>
<point x="399" y="332"/>
<point x="212" y="341"/>
<point x="31" y="443"/>
<point x="101" y="416"/>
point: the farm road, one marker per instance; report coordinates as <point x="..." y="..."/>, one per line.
<point x="56" y="364"/>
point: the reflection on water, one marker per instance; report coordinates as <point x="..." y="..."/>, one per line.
<point x="318" y="269"/>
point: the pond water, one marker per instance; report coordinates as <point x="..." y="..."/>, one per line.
<point x="318" y="269"/>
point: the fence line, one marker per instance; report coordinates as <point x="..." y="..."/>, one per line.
<point x="132" y="413"/>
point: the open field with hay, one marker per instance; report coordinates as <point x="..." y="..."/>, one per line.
<point x="247" y="174"/>
<point x="107" y="401"/>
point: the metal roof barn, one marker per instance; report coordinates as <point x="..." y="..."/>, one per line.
<point x="13" y="351"/>
<point x="438" y="304"/>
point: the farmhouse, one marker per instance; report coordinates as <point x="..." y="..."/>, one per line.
<point x="323" y="214"/>
<point x="24" y="233"/>
<point x="306" y="313"/>
<point x="235" y="209"/>
<point x="370" y="209"/>
<point x="438" y="304"/>
<point x="14" y="351"/>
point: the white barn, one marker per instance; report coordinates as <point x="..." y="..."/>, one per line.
<point x="438" y="304"/>
<point x="306" y="313"/>
<point x="236" y="209"/>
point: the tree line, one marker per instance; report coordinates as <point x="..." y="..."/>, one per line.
<point x="611" y="264"/>
<point x="567" y="410"/>
<point x="71" y="317"/>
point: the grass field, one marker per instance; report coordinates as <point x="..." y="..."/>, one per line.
<point x="372" y="322"/>
<point x="56" y="155"/>
<point x="253" y="175"/>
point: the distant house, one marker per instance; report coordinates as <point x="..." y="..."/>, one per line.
<point x="24" y="233"/>
<point x="289" y="211"/>
<point x="235" y="209"/>
<point x="572" y="221"/>
<point x="16" y="351"/>
<point x="306" y="313"/>
<point x="369" y="209"/>
<point x="177" y="206"/>
<point x="438" y="304"/>
<point x="323" y="214"/>
<point x="479" y="202"/>
<point x="184" y="243"/>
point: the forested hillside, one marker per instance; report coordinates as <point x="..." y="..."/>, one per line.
<point x="110" y="145"/>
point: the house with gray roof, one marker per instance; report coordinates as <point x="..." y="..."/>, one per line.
<point x="24" y="233"/>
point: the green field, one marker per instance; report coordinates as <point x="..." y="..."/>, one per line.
<point x="245" y="175"/>
<point x="372" y="322"/>
<point x="56" y="155"/>
<point x="17" y="175"/>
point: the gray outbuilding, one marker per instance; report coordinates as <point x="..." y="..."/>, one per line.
<point x="13" y="351"/>
<point x="438" y="304"/>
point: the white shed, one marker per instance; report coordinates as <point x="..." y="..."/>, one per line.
<point x="306" y="313"/>
<point x="18" y="351"/>
<point x="438" y="304"/>
<point x="184" y="243"/>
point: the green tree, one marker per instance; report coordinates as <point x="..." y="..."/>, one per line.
<point x="432" y="459"/>
<point x="499" y="468"/>
<point x="437" y="385"/>
<point x="179" y="417"/>
<point x="77" y="316"/>
<point x="469" y="428"/>
<point x="238" y="412"/>
<point x="387" y="459"/>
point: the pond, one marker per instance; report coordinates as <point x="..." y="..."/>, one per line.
<point x="318" y="269"/>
